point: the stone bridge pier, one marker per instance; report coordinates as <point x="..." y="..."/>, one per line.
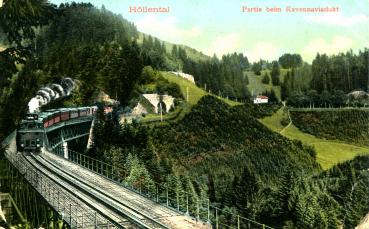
<point x="165" y="102"/>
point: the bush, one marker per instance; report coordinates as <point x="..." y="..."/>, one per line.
<point x="266" y="79"/>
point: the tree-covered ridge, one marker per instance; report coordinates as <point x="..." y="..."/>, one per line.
<point x="345" y="125"/>
<point x="18" y="22"/>
<point x="348" y="183"/>
<point x="78" y="23"/>
<point x="215" y="144"/>
<point x="223" y="76"/>
<point x="345" y="71"/>
<point x="93" y="46"/>
<point x="258" y="173"/>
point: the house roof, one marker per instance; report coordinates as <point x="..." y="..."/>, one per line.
<point x="262" y="97"/>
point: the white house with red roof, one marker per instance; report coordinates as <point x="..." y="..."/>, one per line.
<point x="260" y="99"/>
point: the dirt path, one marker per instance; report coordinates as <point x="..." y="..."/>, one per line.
<point x="289" y="117"/>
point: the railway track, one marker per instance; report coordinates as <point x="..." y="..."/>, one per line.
<point x="77" y="193"/>
<point x="142" y="204"/>
<point x="135" y="218"/>
<point x="68" y="204"/>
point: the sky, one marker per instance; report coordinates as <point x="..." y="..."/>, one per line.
<point x="220" y="27"/>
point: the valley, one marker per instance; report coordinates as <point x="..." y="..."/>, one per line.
<point x="329" y="152"/>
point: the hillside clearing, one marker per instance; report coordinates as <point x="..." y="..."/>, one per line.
<point x="256" y="87"/>
<point x="194" y="95"/>
<point x="329" y="152"/>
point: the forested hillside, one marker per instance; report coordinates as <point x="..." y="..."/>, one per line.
<point x="264" y="175"/>
<point x="214" y="150"/>
<point x="225" y="154"/>
<point x="346" y="125"/>
<point x="345" y="72"/>
<point x="330" y="79"/>
<point x="222" y="76"/>
<point x="99" y="51"/>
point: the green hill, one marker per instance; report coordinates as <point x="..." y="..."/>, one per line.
<point x="348" y="125"/>
<point x="215" y="143"/>
<point x="329" y="152"/>
<point x="226" y="152"/>
<point x="194" y="95"/>
<point x="256" y="86"/>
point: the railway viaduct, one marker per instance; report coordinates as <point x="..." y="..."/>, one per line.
<point x="87" y="193"/>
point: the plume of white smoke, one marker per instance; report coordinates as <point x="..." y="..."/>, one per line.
<point x="50" y="93"/>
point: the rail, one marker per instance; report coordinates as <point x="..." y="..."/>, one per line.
<point x="70" y="210"/>
<point x="183" y="202"/>
<point x="99" y="195"/>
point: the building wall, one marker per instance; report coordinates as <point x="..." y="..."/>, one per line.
<point x="185" y="76"/>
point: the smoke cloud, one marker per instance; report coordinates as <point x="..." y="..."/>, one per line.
<point x="50" y="93"/>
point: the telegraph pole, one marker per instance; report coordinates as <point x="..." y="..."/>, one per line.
<point x="161" y="112"/>
<point x="187" y="95"/>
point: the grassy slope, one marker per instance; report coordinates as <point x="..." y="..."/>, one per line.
<point x="329" y="152"/>
<point x="194" y="95"/>
<point x="257" y="87"/>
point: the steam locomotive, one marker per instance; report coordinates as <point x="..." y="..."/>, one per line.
<point x="32" y="129"/>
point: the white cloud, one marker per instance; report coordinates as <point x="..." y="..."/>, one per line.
<point x="224" y="44"/>
<point x="263" y="50"/>
<point x="320" y="45"/>
<point x="337" y="19"/>
<point x="167" y="29"/>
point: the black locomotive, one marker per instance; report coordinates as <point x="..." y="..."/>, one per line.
<point x="31" y="133"/>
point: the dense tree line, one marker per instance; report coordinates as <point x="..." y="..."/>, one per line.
<point x="327" y="76"/>
<point x="345" y="71"/>
<point x="98" y="51"/>
<point x="296" y="81"/>
<point x="154" y="53"/>
<point x="312" y="99"/>
<point x="18" y="22"/>
<point x="290" y="60"/>
<point x="223" y="77"/>
<point x="345" y="125"/>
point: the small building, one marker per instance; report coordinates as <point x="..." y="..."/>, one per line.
<point x="260" y="99"/>
<point x="185" y="76"/>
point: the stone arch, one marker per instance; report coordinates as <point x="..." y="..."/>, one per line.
<point x="169" y="102"/>
<point x="155" y="100"/>
<point x="162" y="106"/>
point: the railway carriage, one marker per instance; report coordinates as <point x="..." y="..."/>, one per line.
<point x="31" y="131"/>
